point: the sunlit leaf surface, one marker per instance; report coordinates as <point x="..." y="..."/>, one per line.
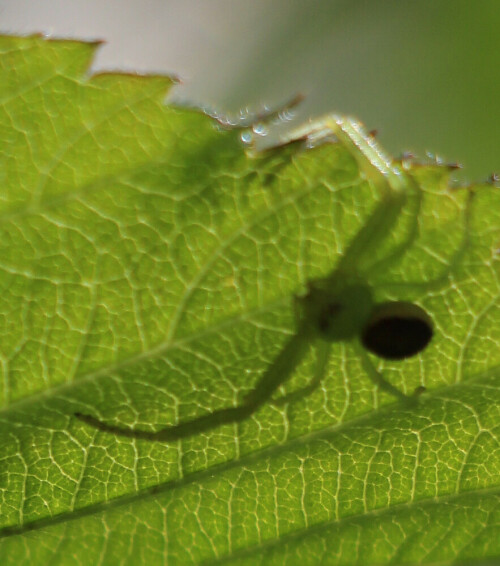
<point x="148" y="268"/>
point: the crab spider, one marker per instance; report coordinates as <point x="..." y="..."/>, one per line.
<point x="340" y="306"/>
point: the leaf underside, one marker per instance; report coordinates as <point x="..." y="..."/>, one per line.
<point x="148" y="268"/>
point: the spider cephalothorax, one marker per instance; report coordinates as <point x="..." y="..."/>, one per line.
<point x="337" y="313"/>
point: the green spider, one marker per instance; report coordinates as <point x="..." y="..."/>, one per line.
<point x="339" y="307"/>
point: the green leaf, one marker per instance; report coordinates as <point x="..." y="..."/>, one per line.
<point x="148" y="271"/>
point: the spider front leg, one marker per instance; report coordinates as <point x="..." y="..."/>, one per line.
<point x="277" y="373"/>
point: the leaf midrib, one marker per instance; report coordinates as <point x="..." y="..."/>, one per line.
<point x="213" y="471"/>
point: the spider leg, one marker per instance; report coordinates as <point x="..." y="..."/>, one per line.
<point x="378" y="379"/>
<point x="278" y="372"/>
<point x="379" y="168"/>
<point x="175" y="432"/>
<point x="359" y="255"/>
<point x="386" y="174"/>
<point x="438" y="281"/>
<point x="322" y="355"/>
<point x="281" y="369"/>
<point x="392" y="182"/>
